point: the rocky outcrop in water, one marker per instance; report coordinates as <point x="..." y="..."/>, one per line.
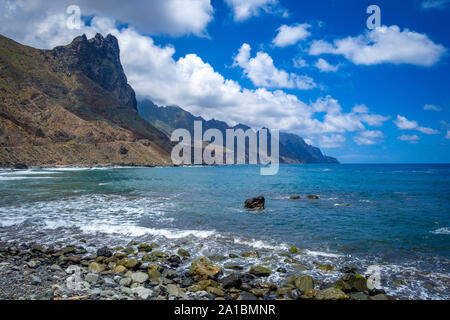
<point x="255" y="203"/>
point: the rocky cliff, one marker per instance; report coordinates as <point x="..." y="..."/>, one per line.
<point x="72" y="106"/>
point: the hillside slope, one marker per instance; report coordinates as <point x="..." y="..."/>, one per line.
<point x="72" y="106"/>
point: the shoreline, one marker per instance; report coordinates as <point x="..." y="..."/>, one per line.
<point x="142" y="272"/>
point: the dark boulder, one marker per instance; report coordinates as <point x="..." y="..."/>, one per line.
<point x="255" y="203"/>
<point x="104" y="252"/>
<point x="232" y="281"/>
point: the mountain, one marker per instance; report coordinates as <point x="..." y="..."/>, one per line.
<point x="293" y="149"/>
<point x="72" y="106"/>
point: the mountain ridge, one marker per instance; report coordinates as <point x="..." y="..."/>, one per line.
<point x="72" y="105"/>
<point x="293" y="149"/>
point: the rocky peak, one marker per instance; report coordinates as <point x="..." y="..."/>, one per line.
<point x="99" y="59"/>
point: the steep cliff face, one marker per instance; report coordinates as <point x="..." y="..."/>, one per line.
<point x="72" y="106"/>
<point x="99" y="60"/>
<point x="293" y="149"/>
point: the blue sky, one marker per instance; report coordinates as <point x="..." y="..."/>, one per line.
<point x="380" y="96"/>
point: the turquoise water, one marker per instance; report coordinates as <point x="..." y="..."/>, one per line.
<point x="396" y="217"/>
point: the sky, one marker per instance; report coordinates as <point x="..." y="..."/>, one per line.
<point x="314" y="68"/>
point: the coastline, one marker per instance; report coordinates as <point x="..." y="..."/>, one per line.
<point x="140" y="271"/>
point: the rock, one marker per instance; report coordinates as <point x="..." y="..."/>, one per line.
<point x="96" y="267"/>
<point x="309" y="294"/>
<point x="304" y="283"/>
<point x="260" y="292"/>
<point x="174" y="260"/>
<point x="215" y="291"/>
<point x="139" y="277"/>
<point x="104" y="252"/>
<point x="183" y="253"/>
<point x="154" y="275"/>
<point x="352" y="283"/>
<point x="359" y="296"/>
<point x="313" y="197"/>
<point x="294" y="197"/>
<point x="349" y="269"/>
<point x="331" y="294"/>
<point x="294" y="294"/>
<point x="246" y="287"/>
<point x="175" y="291"/>
<point x="128" y="250"/>
<point x="282" y="270"/>
<point x="143" y="247"/>
<point x="233" y="280"/>
<point x="33" y="264"/>
<point x="55" y="268"/>
<point x="399" y="283"/>
<point x="142" y="292"/>
<point x="233" y="267"/>
<point x="255" y="203"/>
<point x="294" y="250"/>
<point x="125" y="282"/>
<point x="91" y="277"/>
<point x="74" y="259"/>
<point x="381" y="297"/>
<point x="132" y="264"/>
<point x="325" y="267"/>
<point x="233" y="256"/>
<point x="119" y="269"/>
<point x="202" y="267"/>
<point x="35" y="280"/>
<point x="260" y="271"/>
<point x="247" y="296"/>
<point x="250" y="254"/>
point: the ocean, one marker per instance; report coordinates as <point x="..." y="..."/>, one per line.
<point x="394" y="219"/>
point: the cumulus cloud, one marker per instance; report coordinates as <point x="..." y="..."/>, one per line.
<point x="431" y="107"/>
<point x="414" y="139"/>
<point x="333" y="141"/>
<point x="383" y="45"/>
<point x="448" y="135"/>
<point x="289" y="35"/>
<point x="173" y="17"/>
<point x="245" y="9"/>
<point x="263" y="73"/>
<point x="434" y="4"/>
<point x="369" y="137"/>
<point x="324" y="66"/>
<point x="404" y="124"/>
<point x="299" y="63"/>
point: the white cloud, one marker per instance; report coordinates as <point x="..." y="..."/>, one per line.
<point x="369" y="137"/>
<point x="245" y="9"/>
<point x="414" y="139"/>
<point x="331" y="142"/>
<point x="173" y="17"/>
<point x="263" y="73"/>
<point x="324" y="66"/>
<point x="299" y="63"/>
<point x="384" y="45"/>
<point x="434" y="4"/>
<point x="448" y="135"/>
<point x="289" y="35"/>
<point x="404" y="124"/>
<point x="431" y="107"/>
